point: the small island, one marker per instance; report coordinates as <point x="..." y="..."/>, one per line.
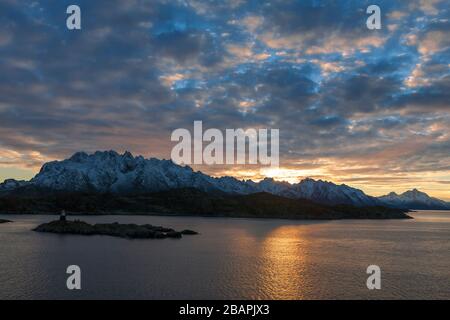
<point x="4" y="221"/>
<point x="129" y="231"/>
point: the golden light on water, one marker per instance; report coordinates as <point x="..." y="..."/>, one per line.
<point x="284" y="264"/>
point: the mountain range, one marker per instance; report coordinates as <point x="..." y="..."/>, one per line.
<point x="414" y="199"/>
<point x="111" y="172"/>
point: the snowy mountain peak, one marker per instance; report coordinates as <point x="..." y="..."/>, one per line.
<point x="11" y="184"/>
<point x="414" y="199"/>
<point x="414" y="193"/>
<point x="109" y="171"/>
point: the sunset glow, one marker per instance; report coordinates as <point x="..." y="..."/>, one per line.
<point x="368" y="108"/>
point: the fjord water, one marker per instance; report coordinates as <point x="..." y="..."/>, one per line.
<point x="232" y="259"/>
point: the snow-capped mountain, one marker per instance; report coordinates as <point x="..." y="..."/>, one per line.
<point x="318" y="191"/>
<point x="109" y="171"/>
<point x="11" y="184"/>
<point x="414" y="199"/>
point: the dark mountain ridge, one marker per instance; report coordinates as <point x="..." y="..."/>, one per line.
<point x="189" y="201"/>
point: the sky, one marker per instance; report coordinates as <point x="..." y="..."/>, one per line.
<point x="369" y="108"/>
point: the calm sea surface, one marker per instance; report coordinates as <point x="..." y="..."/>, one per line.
<point x="232" y="259"/>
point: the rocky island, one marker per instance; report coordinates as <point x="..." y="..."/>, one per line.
<point x="4" y="221"/>
<point x="130" y="231"/>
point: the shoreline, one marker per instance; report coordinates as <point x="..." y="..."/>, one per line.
<point x="158" y="214"/>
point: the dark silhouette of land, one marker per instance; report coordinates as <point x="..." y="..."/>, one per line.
<point x="190" y="202"/>
<point x="131" y="231"/>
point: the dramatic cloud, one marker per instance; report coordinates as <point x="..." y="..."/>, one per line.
<point x="366" y="107"/>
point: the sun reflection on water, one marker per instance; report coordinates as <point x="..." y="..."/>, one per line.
<point x="284" y="256"/>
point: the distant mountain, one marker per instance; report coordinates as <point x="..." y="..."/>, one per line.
<point x="414" y="199"/>
<point x="110" y="172"/>
<point x="11" y="184"/>
<point x="319" y="191"/>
